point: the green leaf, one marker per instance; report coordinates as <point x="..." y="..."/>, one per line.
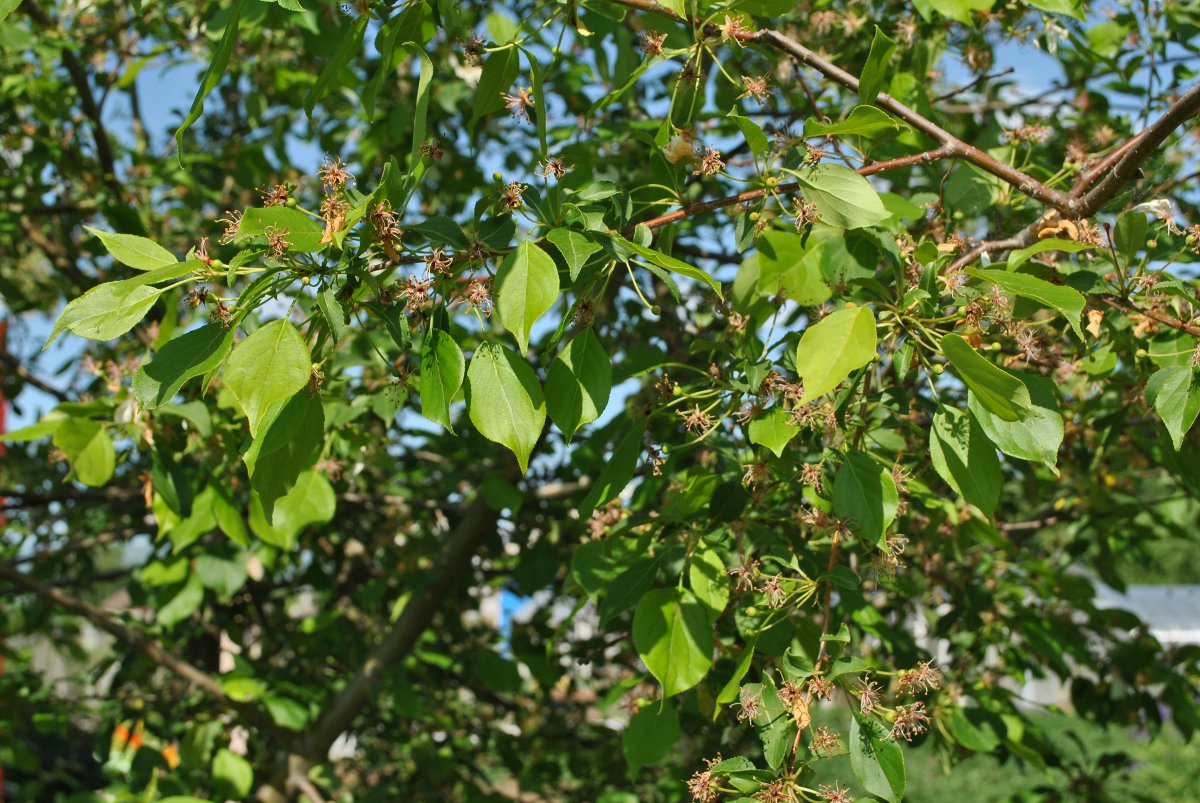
<point x="7" y="7"/>
<point x="669" y="263"/>
<point x="673" y="636"/>
<point x="88" y="448"/>
<point x="1037" y="437"/>
<point x="421" y="112"/>
<point x="212" y="76"/>
<point x="183" y="604"/>
<point x="792" y="264"/>
<point x="271" y="365"/>
<point x="651" y="734"/>
<point x="832" y="348"/>
<point x="729" y="691"/>
<point x="287" y="713"/>
<point x="1130" y="233"/>
<point x="773" y="430"/>
<point x="191" y="354"/>
<point x="442" y="370"/>
<point x="496" y="79"/>
<point x="624" y="591"/>
<point x="865" y="121"/>
<point x="957" y="10"/>
<point x="526" y="287"/>
<point x="765" y="8"/>
<point x="775" y="725"/>
<point x="232" y="775"/>
<point x="865" y="493"/>
<point x="349" y="47"/>
<point x="310" y="501"/>
<point x="575" y="248"/>
<point x="505" y="401"/>
<point x="289" y="444"/>
<point x="964" y="457"/>
<point x="875" y="72"/>
<point x="752" y="131"/>
<point x="1175" y="396"/>
<point x="1068" y="301"/>
<point x="139" y="253"/>
<point x="578" y="383"/>
<point x="1072" y="8"/>
<point x="303" y="233"/>
<point x="843" y="198"/>
<point x="877" y="761"/>
<point x="332" y="312"/>
<point x="1019" y="257"/>
<point x="996" y="389"/>
<point x="617" y="471"/>
<point x="710" y="581"/>
<point x="111" y="309"/>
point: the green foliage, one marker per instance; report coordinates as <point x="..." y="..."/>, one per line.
<point x="722" y="367"/>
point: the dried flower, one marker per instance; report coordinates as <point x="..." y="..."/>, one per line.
<point x="512" y="195"/>
<point x="333" y="174"/>
<point x="775" y="792"/>
<point x="820" y="687"/>
<point x="197" y="296"/>
<point x="810" y="475"/>
<point x="438" y="263"/>
<point x="869" y="695"/>
<point x="696" y="420"/>
<point x="711" y="164"/>
<point x="756" y="474"/>
<point x="275" y="196"/>
<point x="605" y="517"/>
<point x="836" y="794"/>
<point x="432" y="151"/>
<point x="232" y="221"/>
<point x="333" y="212"/>
<point x="679" y="147"/>
<point x="758" y="88"/>
<point x="734" y="29"/>
<point x="1027" y="341"/>
<point x="473" y="50"/>
<point x="911" y="721"/>
<point x="923" y="679"/>
<point x="748" y="705"/>
<point x="656" y="459"/>
<point x="221" y="315"/>
<point x="805" y="213"/>
<point x="518" y="104"/>
<point x="701" y="786"/>
<point x="744" y="574"/>
<point x="585" y="313"/>
<point x="825" y="741"/>
<point x="554" y="167"/>
<point x="652" y="42"/>
<point x="773" y="588"/>
<point x="813" y="155"/>
<point x="316" y="380"/>
<point x="416" y="293"/>
<point x="277" y="244"/>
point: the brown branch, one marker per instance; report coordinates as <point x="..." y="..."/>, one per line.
<point x="28" y="378"/>
<point x="1024" y="238"/>
<point x="478" y="522"/>
<point x="699" y="207"/>
<point x="968" y="87"/>
<point x="1123" y="165"/>
<point x="1124" y="305"/>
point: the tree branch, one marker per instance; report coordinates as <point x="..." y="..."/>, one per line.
<point x="185" y="671"/>
<point x="87" y="100"/>
<point x="478" y="523"/>
<point x="1122" y="166"/>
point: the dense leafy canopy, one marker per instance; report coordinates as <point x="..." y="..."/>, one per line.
<point x="677" y="380"/>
